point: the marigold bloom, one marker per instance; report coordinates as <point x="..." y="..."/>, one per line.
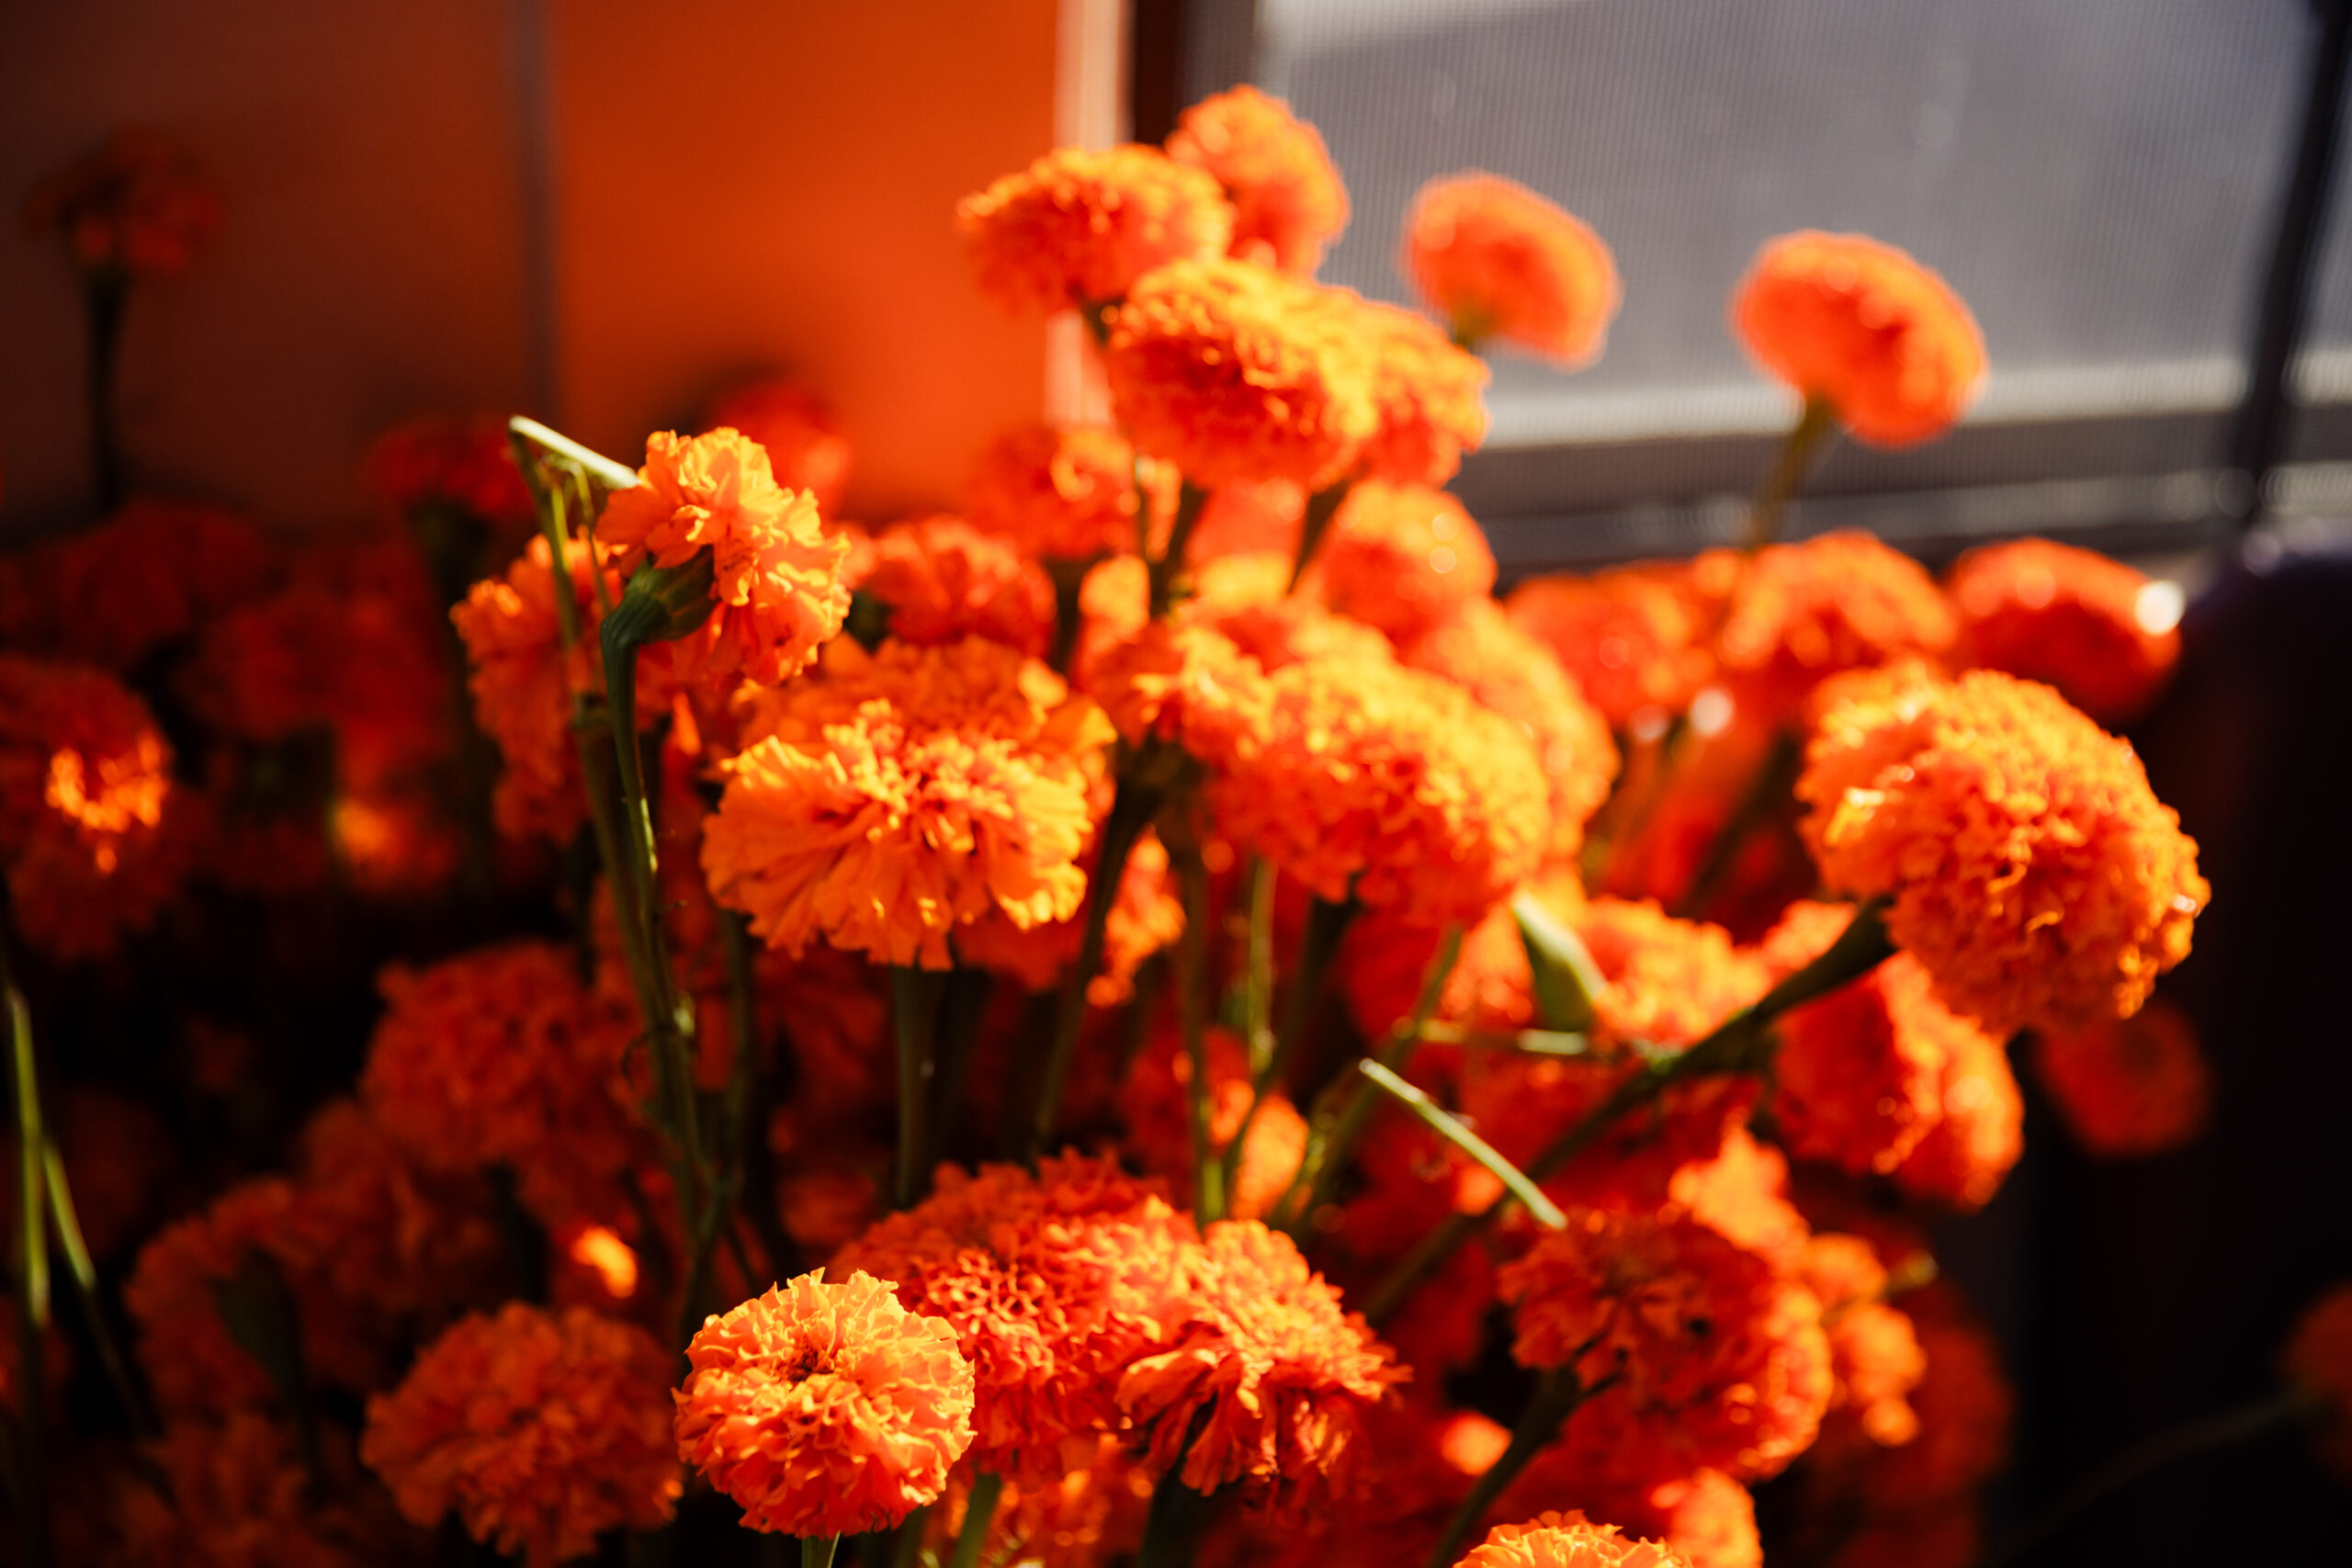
<point x="1287" y="199"/>
<point x="2096" y="630"/>
<point x="239" y="1493"/>
<point x="1802" y="613"/>
<point x="1233" y="372"/>
<point x="1517" y="676"/>
<point x="523" y="684"/>
<point x="1706" y="1518"/>
<point x="943" y="579"/>
<point x="801" y="434"/>
<point x="1264" y="1376"/>
<point x="1716" y="1358"/>
<point x="1973" y="1146"/>
<point x="398" y="1242"/>
<point x="1402" y="556"/>
<point x="1740" y="1193"/>
<point x="501" y="1055"/>
<point x="139" y="205"/>
<point x="1248" y="598"/>
<point x="468" y="464"/>
<point x="1427" y="394"/>
<point x="1067" y="493"/>
<point x="1497" y="260"/>
<point x="893" y="796"/>
<point x="1567" y="1540"/>
<point x="2318" y="1359"/>
<point x="1390" y="785"/>
<point x="1964" y="1405"/>
<point x="191" y="1362"/>
<point x="2129" y="1086"/>
<point x="542" y="1430"/>
<point x="1184" y="682"/>
<point x="2032" y="871"/>
<point x="1635" y="638"/>
<point x="1078" y="227"/>
<point x="825" y="1409"/>
<point x="1874" y="1351"/>
<point x="1052" y="1282"/>
<point x="1250" y="517"/>
<point x="1861" y="323"/>
<point x="150" y="572"/>
<point x="1155" y="1101"/>
<point x="1145" y="917"/>
<point x="777" y="586"/>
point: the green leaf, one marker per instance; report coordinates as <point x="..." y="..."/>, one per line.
<point x="1564" y="978"/>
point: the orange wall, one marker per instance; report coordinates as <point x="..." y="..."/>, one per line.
<point x="741" y="185"/>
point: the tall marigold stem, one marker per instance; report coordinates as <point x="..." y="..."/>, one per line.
<point x="817" y="1551"/>
<point x="1192" y="1003"/>
<point x="1321" y="507"/>
<point x="1814" y="427"/>
<point x="1132" y="809"/>
<point x="1318" y="945"/>
<point x="78" y="1263"/>
<point x="31" y="1270"/>
<point x="980" y="1512"/>
<point x="1190" y="501"/>
<point x="915" y="997"/>
<point x="1771" y="785"/>
<point x="1557" y="1395"/>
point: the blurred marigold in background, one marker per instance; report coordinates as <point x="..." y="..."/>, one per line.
<point x="238" y="1492"/>
<point x="1971" y="1148"/>
<point x="2101" y="632"/>
<point x="944" y="579"/>
<point x="1264" y="1380"/>
<point x="1078" y="227"/>
<point x="1637" y="638"/>
<point x="150" y="573"/>
<point x="1873" y="1350"/>
<point x="892" y="796"/>
<point x="1250" y="517"/>
<point x="1497" y="260"/>
<point x="777" y="571"/>
<point x="543" y="1430"/>
<point x="825" y="1409"/>
<point x="2129" y="1086"/>
<point x="1052" y="1284"/>
<point x="1428" y="395"/>
<point x="1232" y="372"/>
<point x="1567" y="1540"/>
<point x="1885" y="341"/>
<point x="2318" y="1361"/>
<point x="2031" y="870"/>
<point x="1401" y="557"/>
<point x="1145" y="917"/>
<point x="799" y="432"/>
<point x="1066" y="495"/>
<point x="1155" y="1101"/>
<point x="139" y="205"/>
<point x="1287" y="199"/>
<point x="464" y="463"/>
<point x="1799" y="613"/>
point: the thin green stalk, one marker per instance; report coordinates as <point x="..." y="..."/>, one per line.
<point x="1741" y="1043"/>
<point x="31" y="1274"/>
<point x="85" y="1282"/>
<point x="1318" y="945"/>
<point x="1814" y="427"/>
<point x="980" y="1512"/>
<point x="1258" y="973"/>
<point x="1321" y="507"/>
<point x="1173" y="1527"/>
<point x="817" y="1551"/>
<point x="1437" y="1120"/>
<point x="1132" y="809"/>
<point x="1190" y="501"/>
<point x="603" y="469"/>
<point x="906" y="1544"/>
<point x="962" y="1011"/>
<point x="1557" y="1395"/>
<point x="914" y="1017"/>
<point x="1191" y="1004"/>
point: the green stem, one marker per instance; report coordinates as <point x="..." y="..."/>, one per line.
<point x="1258" y="976"/>
<point x="85" y="1283"/>
<point x="603" y="469"/>
<point x="1739" y="1043"/>
<point x="31" y="1272"/>
<point x="817" y="1551"/>
<point x="1321" y="507"/>
<point x="980" y="1512"/>
<point x="1815" y="425"/>
<point x="915" y="996"/>
<point x="1192" y="986"/>
<point x="1069" y="576"/>
<point x="1132" y="809"/>
<point x="1190" y="501"/>
<point x="1318" y="945"/>
<point x="1173" y="1527"/>
<point x="1436" y="1119"/>
<point x="1557" y="1395"/>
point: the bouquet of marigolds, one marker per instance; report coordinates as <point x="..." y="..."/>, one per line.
<point x="1153" y="1021"/>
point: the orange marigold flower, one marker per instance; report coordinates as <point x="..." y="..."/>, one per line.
<point x="466" y="465"/>
<point x="1427" y="394"/>
<point x="1669" y="981"/>
<point x="1712" y="1354"/>
<point x="1078" y="227"/>
<point x="2032" y="871"/>
<point x="1843" y="601"/>
<point x="1389" y="785"/>
<point x="501" y="1055"/>
<point x="2318" y="1359"/>
<point x="895" y="795"/>
<point x="777" y="585"/>
<point x="1635" y="638"/>
<point x="1706" y="1518"/>
<point x="1250" y="517"/>
<point x="825" y="1409"/>
<point x="1067" y="493"/>
<point x="139" y="205"/>
<point x="1740" y="1193"/>
<point x="1402" y="556"/>
<point x="523" y="684"/>
<point x="1517" y="676"/>
<point x="1233" y="372"/>
<point x="192" y="1363"/>
<point x="152" y="571"/>
<point x="1052" y="1282"/>
<point x="1874" y="1351"/>
<point x="1287" y="199"/>
<point x="944" y="579"/>
<point x="1567" y="1540"/>
<point x="397" y="1240"/>
<point x="2129" y="1086"/>
<point x="238" y="1492"/>
<point x="543" y="1430"/>
<point x="1497" y="260"/>
<point x="801" y="434"/>
<point x="1384" y="958"/>
<point x="1155" y="1101"/>
<point x="1248" y="598"/>
<point x="2099" y="630"/>
<point x="1973" y="1146"/>
<point x="1963" y="1404"/>
<point x="1147" y="917"/>
<point x="1883" y="339"/>
<point x="1265" y="1377"/>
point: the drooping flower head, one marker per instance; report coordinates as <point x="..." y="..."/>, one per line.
<point x="2032" y="871"/>
<point x="1287" y="199"/>
<point x="543" y="1430"/>
<point x="1635" y="638"/>
<point x="1231" y="372"/>
<point x="139" y="205"/>
<point x="1265" y="1375"/>
<point x="801" y="434"/>
<point x="1052" y="1284"/>
<point x="944" y="579"/>
<point x="1402" y="556"/>
<point x="1078" y="227"/>
<point x="2101" y="632"/>
<point x="778" y="588"/>
<point x="1497" y="260"/>
<point x="895" y="795"/>
<point x="2128" y="1087"/>
<point x="1883" y="339"/>
<point x="1567" y="1540"/>
<point x="1067" y="493"/>
<point x="825" y="1408"/>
